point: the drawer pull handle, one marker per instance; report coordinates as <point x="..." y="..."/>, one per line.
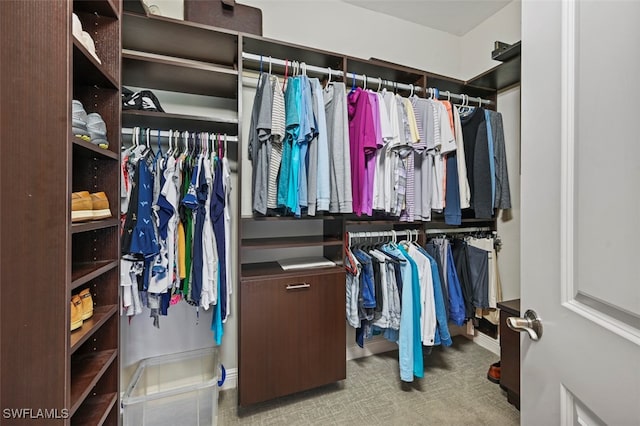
<point x="298" y="286"/>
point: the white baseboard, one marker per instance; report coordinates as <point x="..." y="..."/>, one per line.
<point x="376" y="345"/>
<point x="231" y="382"/>
<point x="490" y="344"/>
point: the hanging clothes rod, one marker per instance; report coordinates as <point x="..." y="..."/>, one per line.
<point x="268" y="61"/>
<point x="375" y="234"/>
<point x="165" y="134"/>
<point x="458" y="230"/>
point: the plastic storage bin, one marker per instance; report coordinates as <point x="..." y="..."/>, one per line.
<point x="177" y="389"/>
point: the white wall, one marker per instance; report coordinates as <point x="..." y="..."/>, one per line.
<point x="509" y="221"/>
<point x="380" y="36"/>
<point x="476" y="46"/>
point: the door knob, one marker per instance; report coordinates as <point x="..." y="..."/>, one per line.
<point x="529" y="323"/>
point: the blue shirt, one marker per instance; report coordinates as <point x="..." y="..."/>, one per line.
<point x="405" y="337"/>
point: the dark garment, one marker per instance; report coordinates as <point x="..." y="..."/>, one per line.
<point x="202" y="190"/>
<point x="452" y="212"/>
<point x="216" y="213"/>
<point x="143" y="237"/>
<point x="476" y="152"/>
<point x="479" y="273"/>
<point x="503" y="193"/>
<point x="377" y="311"/>
<point x="259" y="133"/>
<point x="460" y="257"/>
<point x="367" y="289"/>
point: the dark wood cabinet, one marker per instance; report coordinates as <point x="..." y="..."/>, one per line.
<point x="510" y="352"/>
<point x="46" y="258"/>
<point x="292" y="333"/>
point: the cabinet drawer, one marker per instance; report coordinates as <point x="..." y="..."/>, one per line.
<point x="292" y="334"/>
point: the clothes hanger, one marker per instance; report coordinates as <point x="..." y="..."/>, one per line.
<point x="411" y="94"/>
<point x="448" y="96"/>
<point x="260" y="64"/>
<point x="329" y="77"/>
<point x="379" y="84"/>
<point x="353" y="82"/>
<point x="224" y="148"/>
<point x="364" y="82"/>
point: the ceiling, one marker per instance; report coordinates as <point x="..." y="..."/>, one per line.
<point x="456" y="17"/>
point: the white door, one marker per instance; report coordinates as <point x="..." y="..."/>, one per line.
<point x="580" y="236"/>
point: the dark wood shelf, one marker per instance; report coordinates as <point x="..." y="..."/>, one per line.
<point x="135" y="6"/>
<point x="100" y="315"/>
<point x="101" y="7"/>
<point x="178" y="75"/>
<point x="375" y="69"/>
<point x="86" y="370"/>
<point x="94" y="410"/>
<point x="278" y="218"/>
<point x="87" y="150"/>
<point x="163" y="120"/>
<point x="82" y="273"/>
<point x="282" y="50"/>
<point x="290" y="242"/>
<point x="178" y="38"/>
<point x="94" y="225"/>
<point x="499" y="77"/>
<point x="89" y="72"/>
<point x="273" y="270"/>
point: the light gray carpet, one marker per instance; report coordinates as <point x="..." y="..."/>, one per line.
<point x="454" y="391"/>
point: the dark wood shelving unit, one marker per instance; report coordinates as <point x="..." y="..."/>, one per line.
<point x="504" y="75"/>
<point x="89" y="71"/>
<point x="87" y="150"/>
<point x="262" y="270"/>
<point x="94" y="225"/>
<point x="100" y="315"/>
<point x="163" y="120"/>
<point x="179" y="75"/>
<point x="179" y="39"/>
<point x="95" y="410"/>
<point x="101" y="7"/>
<point x="86" y="370"/>
<point x="84" y="272"/>
<point x="290" y="242"/>
<point x="43" y="71"/>
<point x="279" y="218"/>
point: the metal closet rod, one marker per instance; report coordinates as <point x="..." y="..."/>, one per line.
<point x="266" y="60"/>
<point x="165" y="133"/>
<point x="374" y="234"/>
<point x="458" y="230"/>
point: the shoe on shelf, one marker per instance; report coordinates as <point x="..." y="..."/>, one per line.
<point x="494" y="372"/>
<point x="81" y="206"/>
<point x="76" y="27"/>
<point x="88" y="43"/>
<point x="87" y="304"/>
<point x="79" y="121"/>
<point x="97" y="130"/>
<point x="76" y="312"/>
<point x="100" y="206"/>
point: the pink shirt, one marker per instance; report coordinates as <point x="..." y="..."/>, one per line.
<point x="362" y="142"/>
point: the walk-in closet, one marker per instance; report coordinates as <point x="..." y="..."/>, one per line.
<point x="280" y="212"/>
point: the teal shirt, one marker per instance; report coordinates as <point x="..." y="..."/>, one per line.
<point x="292" y="129"/>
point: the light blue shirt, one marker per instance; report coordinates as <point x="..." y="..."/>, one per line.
<point x="322" y="183"/>
<point x="405" y="337"/>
